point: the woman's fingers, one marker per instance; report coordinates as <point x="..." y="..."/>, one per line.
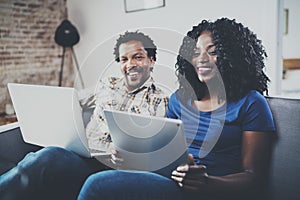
<point x="190" y="176"/>
<point x="178" y="174"/>
<point x="183" y="168"/>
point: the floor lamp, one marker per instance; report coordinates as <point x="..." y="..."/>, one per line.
<point x="66" y="35"/>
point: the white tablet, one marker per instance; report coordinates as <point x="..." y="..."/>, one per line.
<point x="147" y="143"/>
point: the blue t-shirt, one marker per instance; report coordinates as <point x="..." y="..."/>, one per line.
<point x="214" y="138"/>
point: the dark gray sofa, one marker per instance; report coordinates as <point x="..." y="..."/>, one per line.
<point x="284" y="181"/>
<point x="13" y="148"/>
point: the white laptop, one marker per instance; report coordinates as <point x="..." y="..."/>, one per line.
<point x="50" y="116"/>
<point x="146" y="142"/>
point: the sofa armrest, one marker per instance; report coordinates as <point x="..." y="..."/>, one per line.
<point x="13" y="148"/>
<point x="284" y="172"/>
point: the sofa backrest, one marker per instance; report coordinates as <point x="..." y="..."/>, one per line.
<point x="285" y="164"/>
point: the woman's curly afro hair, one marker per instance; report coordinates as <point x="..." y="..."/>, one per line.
<point x="240" y="59"/>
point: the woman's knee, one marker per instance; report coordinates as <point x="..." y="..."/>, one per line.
<point x="127" y="183"/>
<point x="120" y="176"/>
<point x="100" y="184"/>
<point x="104" y="178"/>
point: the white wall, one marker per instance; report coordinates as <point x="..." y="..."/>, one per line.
<point x="291" y="41"/>
<point x="100" y="21"/>
<point x="290" y="49"/>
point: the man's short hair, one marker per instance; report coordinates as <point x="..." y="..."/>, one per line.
<point x="147" y="42"/>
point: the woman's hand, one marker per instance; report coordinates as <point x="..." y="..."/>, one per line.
<point x="190" y="177"/>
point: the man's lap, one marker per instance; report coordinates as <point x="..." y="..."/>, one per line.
<point x="50" y="170"/>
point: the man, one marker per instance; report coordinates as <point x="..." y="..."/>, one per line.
<point x="134" y="92"/>
<point x="56" y="173"/>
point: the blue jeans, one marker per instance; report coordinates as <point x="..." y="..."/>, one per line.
<point x="50" y="173"/>
<point x="131" y="185"/>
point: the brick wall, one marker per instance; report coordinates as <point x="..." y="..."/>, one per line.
<point x="27" y="49"/>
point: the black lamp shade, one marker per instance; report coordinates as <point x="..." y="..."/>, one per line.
<point x="66" y="35"/>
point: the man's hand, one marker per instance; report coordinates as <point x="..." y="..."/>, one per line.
<point x="116" y="159"/>
<point x="112" y="159"/>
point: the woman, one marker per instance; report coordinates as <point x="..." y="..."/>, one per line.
<point x="226" y="118"/>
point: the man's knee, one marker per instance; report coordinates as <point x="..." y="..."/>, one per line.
<point x="43" y="154"/>
<point x="48" y="156"/>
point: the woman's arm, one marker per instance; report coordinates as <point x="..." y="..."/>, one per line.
<point x="256" y="148"/>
